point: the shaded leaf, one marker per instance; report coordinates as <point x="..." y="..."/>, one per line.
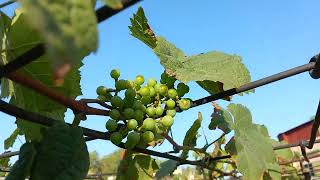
<point x="212" y="87"/>
<point x="221" y="119"/>
<point x="141" y="30"/>
<point x="22" y="167"/>
<point x="62" y="154"/>
<point x="11" y="139"/>
<point x="166" y="168"/>
<point x="190" y="139"/>
<point x="115" y="4"/>
<point x="69" y="29"/>
<point x="248" y="144"/>
<point x="273" y="173"/>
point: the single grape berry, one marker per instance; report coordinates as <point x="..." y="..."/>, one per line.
<point x="138" y="115"/>
<point x="148" y="136"/>
<point x="102" y="98"/>
<point x="144" y="91"/>
<point x="128" y="113"/>
<point x="167" y="121"/>
<point x="172" y="93"/>
<point x="132" y="124"/>
<point x="152" y="92"/>
<point x="149" y="124"/>
<point x="170" y="104"/>
<point x="131" y="84"/>
<point x="139" y="80"/>
<point x="130" y="93"/>
<point x="133" y="139"/>
<point x="137" y="105"/>
<point x="184" y="104"/>
<point x="114" y="114"/>
<point x="122" y="84"/>
<point x="127" y="102"/>
<point x="156" y="87"/>
<point x="171" y="112"/>
<point x="111" y="125"/>
<point x="159" y="111"/>
<point x="116" y="101"/>
<point x="115" y="74"/>
<point x="116" y="138"/>
<point x="151" y="111"/>
<point x="152" y="82"/>
<point x="145" y="100"/>
<point x="101" y="90"/>
<point x="163" y="89"/>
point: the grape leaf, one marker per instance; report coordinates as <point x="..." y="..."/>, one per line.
<point x="190" y="139"/>
<point x="248" y="140"/>
<point x="137" y="166"/>
<point x="283" y="155"/>
<point x="212" y="87"/>
<point x="22" y="167"/>
<point x="166" y="168"/>
<point x="221" y="119"/>
<point x="62" y="154"/>
<point x="69" y="28"/>
<point x="114" y="4"/>
<point x="273" y="173"/>
<point x="11" y="139"/>
<point x="213" y="66"/>
<point x="141" y="30"/>
<point x="40" y="70"/>
<point x="4" y="162"/>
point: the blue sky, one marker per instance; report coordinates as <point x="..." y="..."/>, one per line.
<point x="270" y="36"/>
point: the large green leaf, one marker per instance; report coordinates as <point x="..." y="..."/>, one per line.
<point x="141" y="30"/>
<point x="213" y="67"/>
<point x="62" y="154"/>
<point x="273" y="173"/>
<point x="166" y="168"/>
<point x="137" y="166"/>
<point x="248" y="140"/>
<point x="221" y="119"/>
<point x="11" y="139"/>
<point x="283" y="155"/>
<point x="69" y="28"/>
<point x="39" y="70"/>
<point x="190" y="139"/>
<point x="22" y="167"/>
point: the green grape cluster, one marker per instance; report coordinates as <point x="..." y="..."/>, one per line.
<point x="142" y="109"/>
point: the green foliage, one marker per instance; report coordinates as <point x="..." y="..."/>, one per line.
<point x="247" y="141"/>
<point x="190" y="139"/>
<point x="10" y="140"/>
<point x="62" y="154"/>
<point x="106" y="164"/>
<point x="21" y="169"/>
<point x="115" y="4"/>
<point x="69" y="28"/>
<point x="166" y="168"/>
<point x="141" y="30"/>
<point x="221" y="119"/>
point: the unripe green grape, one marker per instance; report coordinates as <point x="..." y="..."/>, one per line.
<point x="101" y="90"/>
<point x="131" y="84"/>
<point x="116" y="101"/>
<point x="145" y="100"/>
<point x="102" y="98"/>
<point x="152" y="82"/>
<point x="116" y="138"/>
<point x="114" y="114"/>
<point x="132" y="140"/>
<point x="137" y="87"/>
<point x="171" y="112"/>
<point x="167" y="121"/>
<point x="127" y="102"/>
<point x="163" y="89"/>
<point x="124" y="131"/>
<point x="152" y="92"/>
<point x="149" y="124"/>
<point x="172" y="93"/>
<point x="137" y="105"/>
<point x="159" y="111"/>
<point x="156" y="87"/>
<point x="128" y="113"/>
<point x="151" y="111"/>
<point x="138" y="115"/>
<point x="132" y="124"/>
<point x="111" y="125"/>
<point x="144" y="91"/>
<point x="130" y="93"/>
<point x="148" y="136"/>
<point x="122" y="84"/>
<point x="184" y="104"/>
<point x="115" y="74"/>
<point x="139" y="80"/>
<point x="170" y="104"/>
